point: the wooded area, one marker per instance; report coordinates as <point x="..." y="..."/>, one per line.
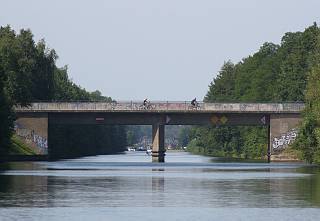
<point x="28" y="72"/>
<point x="288" y="72"/>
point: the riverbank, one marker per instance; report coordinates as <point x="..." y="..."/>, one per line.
<point x="287" y="155"/>
<point x="22" y="158"/>
<point x="19" y="151"/>
<point x="18" y="147"/>
<point x="175" y="150"/>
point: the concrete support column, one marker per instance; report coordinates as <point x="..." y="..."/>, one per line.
<point x="282" y="131"/>
<point x="32" y="129"/>
<point x="269" y="145"/>
<point x="158" y="151"/>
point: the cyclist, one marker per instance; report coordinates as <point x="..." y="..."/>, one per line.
<point x="194" y="102"/>
<point x="145" y="102"/>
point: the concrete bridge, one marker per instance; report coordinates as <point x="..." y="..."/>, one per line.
<point x="281" y="119"/>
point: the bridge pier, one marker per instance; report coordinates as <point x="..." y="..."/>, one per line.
<point x="269" y="145"/>
<point x="32" y="129"/>
<point x="158" y="150"/>
<point x="282" y="132"/>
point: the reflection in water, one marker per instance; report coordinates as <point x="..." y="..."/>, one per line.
<point x="157" y="180"/>
<point x="23" y="191"/>
<point x="158" y="188"/>
<point x="183" y="182"/>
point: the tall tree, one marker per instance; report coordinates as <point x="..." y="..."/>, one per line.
<point x="309" y="135"/>
<point x="6" y="116"/>
<point x="276" y="73"/>
<point x="28" y="72"/>
<point x="223" y="86"/>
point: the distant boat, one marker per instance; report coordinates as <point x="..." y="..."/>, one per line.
<point x="141" y="149"/>
<point x="149" y="151"/>
<point x="131" y="149"/>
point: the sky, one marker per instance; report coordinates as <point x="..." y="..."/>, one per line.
<point x="156" y="49"/>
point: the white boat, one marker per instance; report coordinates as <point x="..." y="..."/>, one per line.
<point x="149" y="151"/>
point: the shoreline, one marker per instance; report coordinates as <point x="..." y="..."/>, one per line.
<point x="21" y="158"/>
<point x="274" y="158"/>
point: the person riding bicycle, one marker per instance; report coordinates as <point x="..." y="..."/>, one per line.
<point x="194" y="102"/>
<point x="145" y="102"/>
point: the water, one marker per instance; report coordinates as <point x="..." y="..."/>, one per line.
<point x="186" y="187"/>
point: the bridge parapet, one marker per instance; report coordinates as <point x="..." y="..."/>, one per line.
<point x="162" y="107"/>
<point x="255" y="107"/>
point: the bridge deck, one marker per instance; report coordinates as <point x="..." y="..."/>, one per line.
<point x="165" y="107"/>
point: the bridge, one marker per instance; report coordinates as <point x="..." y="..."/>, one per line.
<point x="281" y="119"/>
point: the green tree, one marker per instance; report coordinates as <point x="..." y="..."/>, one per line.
<point x="29" y="73"/>
<point x="275" y="73"/>
<point x="222" y="87"/>
<point x="309" y="135"/>
<point x="97" y="96"/>
<point x="6" y="116"/>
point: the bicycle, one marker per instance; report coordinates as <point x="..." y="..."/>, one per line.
<point x="147" y="106"/>
<point x="196" y="106"/>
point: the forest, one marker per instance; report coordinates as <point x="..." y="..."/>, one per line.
<point x="285" y="72"/>
<point x="28" y="72"/>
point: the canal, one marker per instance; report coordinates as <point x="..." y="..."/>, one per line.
<point x="187" y="187"/>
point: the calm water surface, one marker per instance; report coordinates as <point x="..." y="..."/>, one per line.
<point x="187" y="187"/>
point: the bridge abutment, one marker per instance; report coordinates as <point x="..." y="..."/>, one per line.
<point x="283" y="131"/>
<point x="158" y="150"/>
<point x="32" y="129"/>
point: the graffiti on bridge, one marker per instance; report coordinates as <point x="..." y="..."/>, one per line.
<point x="30" y="137"/>
<point x="282" y="142"/>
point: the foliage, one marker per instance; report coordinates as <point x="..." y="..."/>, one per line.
<point x="222" y="87"/>
<point x="65" y="89"/>
<point x="276" y="73"/>
<point x="309" y="135"/>
<point x="136" y="133"/>
<point x="19" y="147"/>
<point x="28" y="72"/>
<point x="184" y="136"/>
<point x="6" y="117"/>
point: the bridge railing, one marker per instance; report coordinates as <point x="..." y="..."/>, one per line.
<point x="161" y="106"/>
<point x="112" y="106"/>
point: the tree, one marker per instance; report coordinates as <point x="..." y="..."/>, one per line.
<point x="6" y="116"/>
<point x="222" y="87"/>
<point x="29" y="73"/>
<point x="275" y="73"/>
<point x="309" y="135"/>
<point x="97" y="96"/>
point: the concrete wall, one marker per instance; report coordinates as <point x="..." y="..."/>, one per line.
<point x="283" y="130"/>
<point x="33" y="130"/>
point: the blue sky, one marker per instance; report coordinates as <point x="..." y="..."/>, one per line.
<point x="162" y="50"/>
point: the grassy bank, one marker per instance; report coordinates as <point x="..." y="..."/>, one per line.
<point x="19" y="148"/>
<point x="286" y="155"/>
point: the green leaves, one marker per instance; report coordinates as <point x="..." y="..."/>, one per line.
<point x="28" y="72"/>
<point x="276" y="73"/>
<point x="29" y="68"/>
<point x="222" y="88"/>
<point x="309" y="136"/>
